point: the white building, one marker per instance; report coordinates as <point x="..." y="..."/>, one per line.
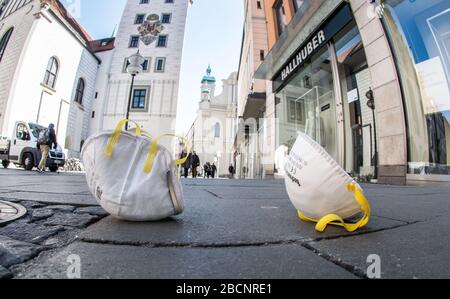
<point x="213" y="131"/>
<point x="52" y="71"/>
<point x="155" y="92"/>
<point x="45" y="55"/>
<point x="251" y="156"/>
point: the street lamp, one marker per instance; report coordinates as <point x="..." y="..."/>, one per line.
<point x="134" y="68"/>
<point x="371" y="105"/>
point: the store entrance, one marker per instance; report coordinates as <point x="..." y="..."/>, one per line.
<point x="359" y="117"/>
<point x="329" y="99"/>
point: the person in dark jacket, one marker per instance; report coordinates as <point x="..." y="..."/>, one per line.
<point x="195" y="163"/>
<point x="231" y="171"/>
<point x="186" y="165"/>
<point x="213" y="170"/>
<point x="45" y="146"/>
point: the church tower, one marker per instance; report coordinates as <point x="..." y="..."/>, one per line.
<point x="155" y="92"/>
<point x="208" y="86"/>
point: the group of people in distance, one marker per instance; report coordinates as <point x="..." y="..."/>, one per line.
<point x="192" y="164"/>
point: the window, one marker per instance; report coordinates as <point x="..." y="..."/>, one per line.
<point x="79" y="93"/>
<point x="160" y="65"/>
<point x="419" y="32"/>
<point x="166" y="18"/>
<point x="144" y="2"/>
<point x="297" y="4"/>
<point x="4" y="42"/>
<point x="51" y="73"/>
<point x="22" y="133"/>
<point x="134" y="41"/>
<point x="162" y="41"/>
<point x="139" y="19"/>
<point x="169" y="1"/>
<point x="139" y="97"/>
<point x="261" y="55"/>
<point x="217" y="130"/>
<point x="258" y="4"/>
<point x="280" y="15"/>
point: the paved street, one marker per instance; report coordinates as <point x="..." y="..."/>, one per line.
<point x="231" y="229"/>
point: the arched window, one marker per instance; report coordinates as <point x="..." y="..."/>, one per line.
<point x="217" y="130"/>
<point x="4" y="42"/>
<point x="51" y="72"/>
<point x="79" y="93"/>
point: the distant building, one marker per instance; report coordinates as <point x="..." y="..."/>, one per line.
<point x="212" y="133"/>
<point x="48" y="70"/>
<point x="52" y="71"/>
<point x="155" y="94"/>
<point x="251" y="155"/>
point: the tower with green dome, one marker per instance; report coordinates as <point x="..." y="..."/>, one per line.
<point x="208" y="85"/>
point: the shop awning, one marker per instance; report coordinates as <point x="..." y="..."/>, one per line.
<point x="256" y="105"/>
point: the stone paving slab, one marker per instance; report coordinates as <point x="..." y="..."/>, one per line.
<point x="72" y="199"/>
<point x="261" y="262"/>
<point x="13" y="252"/>
<point x="217" y="221"/>
<point x="50" y="187"/>
<point x="418" y="250"/>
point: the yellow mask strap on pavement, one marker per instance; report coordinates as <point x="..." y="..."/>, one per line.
<point x="116" y="136"/>
<point x="336" y="220"/>
<point x="154" y="150"/>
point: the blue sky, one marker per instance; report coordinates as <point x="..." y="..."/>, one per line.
<point x="213" y="35"/>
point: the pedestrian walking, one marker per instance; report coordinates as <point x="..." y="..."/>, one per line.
<point x="231" y="171"/>
<point x="195" y="163"/>
<point x="205" y="170"/>
<point x="208" y="170"/>
<point x="213" y="170"/>
<point x="46" y="140"/>
<point x="187" y="164"/>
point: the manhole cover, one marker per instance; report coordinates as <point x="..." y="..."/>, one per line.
<point x="10" y="211"/>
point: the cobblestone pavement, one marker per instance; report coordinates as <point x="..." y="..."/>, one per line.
<point x="230" y="229"/>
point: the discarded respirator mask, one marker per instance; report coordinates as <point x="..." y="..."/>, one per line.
<point x="131" y="176"/>
<point x="321" y="190"/>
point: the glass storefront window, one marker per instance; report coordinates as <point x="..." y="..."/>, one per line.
<point x="419" y="32"/>
<point x="311" y="103"/>
<point x="307" y="104"/>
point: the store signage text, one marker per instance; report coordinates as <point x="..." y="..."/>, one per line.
<point x="317" y="41"/>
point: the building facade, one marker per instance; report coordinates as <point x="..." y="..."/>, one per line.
<point x="47" y="70"/>
<point x="213" y="131"/>
<point x="155" y="93"/>
<point x="249" y="157"/>
<point x="368" y="80"/>
<point x="52" y="71"/>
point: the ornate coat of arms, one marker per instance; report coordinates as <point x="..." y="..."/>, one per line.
<point x="150" y="29"/>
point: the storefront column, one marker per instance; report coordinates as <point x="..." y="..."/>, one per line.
<point x="391" y="124"/>
<point x="268" y="156"/>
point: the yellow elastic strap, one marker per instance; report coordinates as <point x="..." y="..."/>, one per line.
<point x="154" y="150"/>
<point x="333" y="219"/>
<point x="116" y="136"/>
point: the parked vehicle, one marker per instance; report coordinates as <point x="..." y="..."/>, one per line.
<point x="22" y="149"/>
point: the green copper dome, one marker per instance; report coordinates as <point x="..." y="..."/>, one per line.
<point x="208" y="78"/>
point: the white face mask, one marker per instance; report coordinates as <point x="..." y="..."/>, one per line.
<point x="320" y="189"/>
<point x="132" y="177"/>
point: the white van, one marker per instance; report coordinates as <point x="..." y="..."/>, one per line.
<point x="22" y="149"/>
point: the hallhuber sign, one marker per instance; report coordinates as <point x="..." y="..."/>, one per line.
<point x="312" y="45"/>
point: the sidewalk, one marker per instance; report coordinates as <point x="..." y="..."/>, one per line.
<point x="242" y="229"/>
